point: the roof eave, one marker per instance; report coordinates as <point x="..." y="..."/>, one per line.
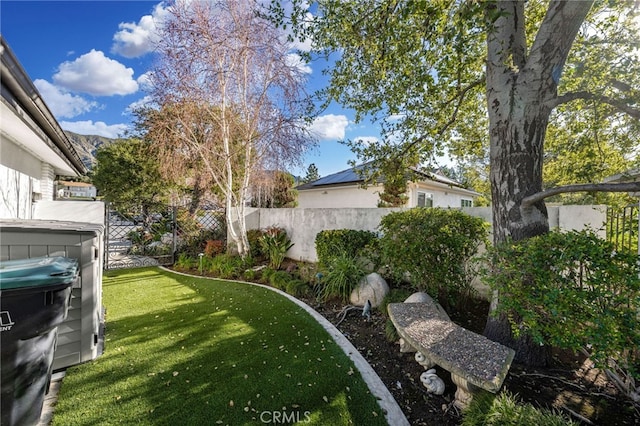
<point x="25" y="94"/>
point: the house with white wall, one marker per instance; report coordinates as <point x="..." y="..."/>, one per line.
<point x="66" y="189"/>
<point x="345" y="189"/>
<point x="33" y="147"/>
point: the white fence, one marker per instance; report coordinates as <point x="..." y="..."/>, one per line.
<point x="302" y="225"/>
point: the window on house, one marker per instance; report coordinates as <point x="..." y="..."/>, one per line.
<point x="466" y="203"/>
<point x="425" y="199"/>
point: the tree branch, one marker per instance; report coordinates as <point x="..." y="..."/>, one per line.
<point x="617" y="103"/>
<point x="592" y="187"/>
<point x="462" y="93"/>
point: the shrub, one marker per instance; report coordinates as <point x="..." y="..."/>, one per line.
<point x="504" y="409"/>
<point x="250" y="274"/>
<point x="306" y="272"/>
<point x="266" y="275"/>
<point x="191" y="234"/>
<point x="570" y="290"/>
<point x="185" y="262"/>
<point x="253" y="236"/>
<point x="274" y="243"/>
<point x="296" y="287"/>
<point x="214" y="248"/>
<point x="348" y="242"/>
<point x="341" y="277"/>
<point x="279" y="279"/>
<point x="226" y="266"/>
<point x="433" y="247"/>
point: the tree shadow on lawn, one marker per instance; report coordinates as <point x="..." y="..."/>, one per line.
<point x="185" y="350"/>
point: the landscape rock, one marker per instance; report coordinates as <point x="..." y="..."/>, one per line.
<point x="373" y="288"/>
<point x="422" y="297"/>
<point x="419" y="297"/>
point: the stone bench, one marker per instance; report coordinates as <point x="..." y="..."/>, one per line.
<point x="473" y="360"/>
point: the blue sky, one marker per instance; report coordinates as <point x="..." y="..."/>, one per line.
<point x="88" y="59"/>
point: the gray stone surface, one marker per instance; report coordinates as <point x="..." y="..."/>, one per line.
<point x="373" y="288"/>
<point x="475" y="358"/>
<point x="421" y="297"/>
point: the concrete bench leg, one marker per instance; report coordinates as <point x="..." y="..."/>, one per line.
<point x="405" y="347"/>
<point x="464" y="391"/>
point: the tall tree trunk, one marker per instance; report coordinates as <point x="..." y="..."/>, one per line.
<point x="520" y="88"/>
<point x="196" y="195"/>
<point x="516" y="172"/>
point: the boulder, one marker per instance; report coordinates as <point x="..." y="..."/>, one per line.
<point x="372" y="288"/>
<point x="421" y="297"/>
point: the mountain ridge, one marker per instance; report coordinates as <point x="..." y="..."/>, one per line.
<point x="87" y="145"/>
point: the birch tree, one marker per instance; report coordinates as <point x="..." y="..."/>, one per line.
<point x="471" y="75"/>
<point x="228" y="100"/>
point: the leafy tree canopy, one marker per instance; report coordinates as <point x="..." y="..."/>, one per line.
<point x="418" y="68"/>
<point x="125" y="174"/>
<point x="312" y="174"/>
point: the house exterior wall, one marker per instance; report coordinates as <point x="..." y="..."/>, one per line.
<point x="75" y="189"/>
<point x="47" y="182"/>
<point x="443" y="195"/>
<point x="33" y="147"/>
<point x="352" y="196"/>
<point x="20" y="173"/>
<point x="15" y="194"/>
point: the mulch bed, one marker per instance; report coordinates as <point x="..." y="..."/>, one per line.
<point x="570" y="385"/>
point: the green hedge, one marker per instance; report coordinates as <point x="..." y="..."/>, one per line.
<point x="571" y="290"/>
<point x="432" y="248"/>
<point x="342" y="242"/>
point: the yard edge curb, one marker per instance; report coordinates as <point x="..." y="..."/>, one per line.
<point x="388" y="404"/>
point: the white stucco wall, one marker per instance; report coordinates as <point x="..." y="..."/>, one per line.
<point x="20" y="173"/>
<point x="348" y="196"/>
<point x="566" y="218"/>
<point x="71" y="211"/>
<point x="15" y="194"/>
<point x="302" y="225"/>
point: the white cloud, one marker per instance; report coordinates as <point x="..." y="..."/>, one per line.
<point x="329" y="126"/>
<point x="144" y="82"/>
<point x="294" y="60"/>
<point x="396" y="117"/>
<point x="305" y="44"/>
<point x="96" y="74"/>
<point x="134" y="40"/>
<point x="63" y="104"/>
<point x="367" y="140"/>
<point x="146" y="101"/>
<point x="99" y="128"/>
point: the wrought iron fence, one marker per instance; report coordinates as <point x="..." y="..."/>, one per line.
<point x="136" y="239"/>
<point x="622" y="228"/>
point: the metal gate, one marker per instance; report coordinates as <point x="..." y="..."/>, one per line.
<point x="135" y="239"/>
<point x="622" y="228"/>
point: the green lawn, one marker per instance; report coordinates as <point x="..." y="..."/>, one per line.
<point x="193" y="351"/>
